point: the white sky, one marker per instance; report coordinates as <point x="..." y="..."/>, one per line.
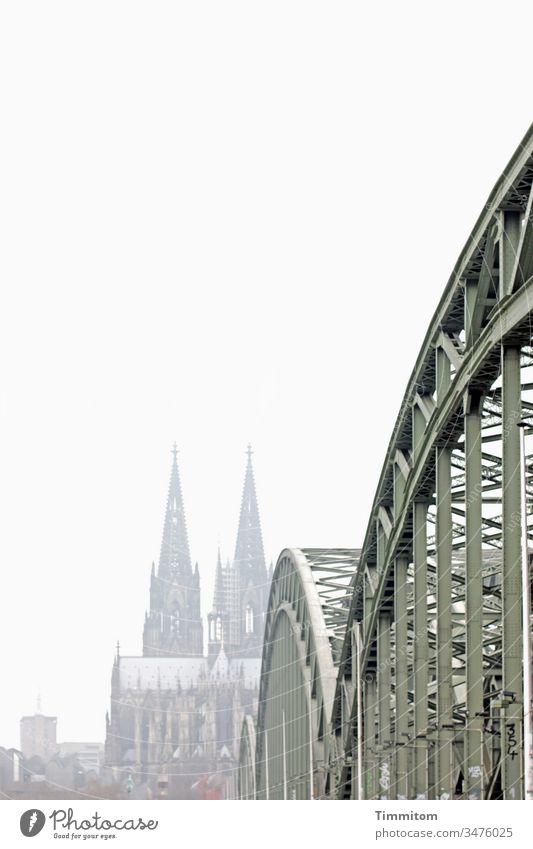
<point x="220" y="223"/>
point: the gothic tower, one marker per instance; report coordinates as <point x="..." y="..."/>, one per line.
<point x="241" y="589"/>
<point x="173" y="627"/>
<point x="251" y="570"/>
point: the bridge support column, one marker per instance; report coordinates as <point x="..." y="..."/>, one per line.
<point x="512" y="700"/>
<point x="473" y="760"/>
<point x="384" y="705"/>
<point x="445" y="779"/>
<point x="420" y="650"/>
<point x="370" y="692"/>
<point x="358" y="791"/>
<point x="370" y="736"/>
<point x="401" y="790"/>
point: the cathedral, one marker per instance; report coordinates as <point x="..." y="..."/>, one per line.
<point x="173" y="729"/>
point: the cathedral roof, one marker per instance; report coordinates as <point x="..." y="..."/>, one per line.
<point x="169" y="673"/>
<point x="248" y="668"/>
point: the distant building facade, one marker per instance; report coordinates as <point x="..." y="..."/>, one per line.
<point x="62" y="776"/>
<point x="38" y="736"/>
<point x="89" y="755"/>
<point x="11" y="775"/>
<point x="176" y="715"/>
<point x="44" y="768"/>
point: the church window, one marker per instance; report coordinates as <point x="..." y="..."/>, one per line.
<point x="218" y="629"/>
<point x="249" y="620"/>
<point x="175" y="621"/>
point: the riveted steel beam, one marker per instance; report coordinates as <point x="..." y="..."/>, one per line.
<point x="384" y="705"/>
<point x="473" y="765"/>
<point x="444" y="539"/>
<point x="511" y="704"/>
<point x="420" y="650"/>
<point x="401" y="683"/>
<point x="371" y="754"/>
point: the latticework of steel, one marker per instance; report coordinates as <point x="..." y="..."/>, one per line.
<point x="397" y="672"/>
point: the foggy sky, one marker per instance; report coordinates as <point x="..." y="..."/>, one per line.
<point x="222" y="223"/>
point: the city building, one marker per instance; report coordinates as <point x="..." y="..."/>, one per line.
<point x="11" y="761"/>
<point x="89" y="755"/>
<point x="38" y="735"/>
<point x="176" y="714"/>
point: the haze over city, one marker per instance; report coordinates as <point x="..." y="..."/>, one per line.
<point x="192" y="223"/>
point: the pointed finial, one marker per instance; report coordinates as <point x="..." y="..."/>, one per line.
<point x="249" y="452"/>
<point x="175" y="452"/>
<point x="118" y="650"/>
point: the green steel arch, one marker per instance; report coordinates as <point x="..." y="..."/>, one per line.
<point x="246" y="773"/>
<point x="305" y="625"/>
<point x="438" y="709"/>
<point x="415" y="682"/>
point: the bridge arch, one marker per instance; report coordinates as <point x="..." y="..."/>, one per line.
<point x="437" y="601"/>
<point x="246" y="772"/>
<point x="306" y="616"/>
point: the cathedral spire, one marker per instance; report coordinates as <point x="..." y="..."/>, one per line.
<point x="249" y="553"/>
<point x="174" y="625"/>
<point x="175" y="555"/>
<point x="219" y="600"/>
<point x="236" y="620"/>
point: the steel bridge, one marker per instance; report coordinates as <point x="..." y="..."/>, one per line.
<point x="401" y="671"/>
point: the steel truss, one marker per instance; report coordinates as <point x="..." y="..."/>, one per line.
<point x="438" y="590"/>
<point x="418" y="688"/>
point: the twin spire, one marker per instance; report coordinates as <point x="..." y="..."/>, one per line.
<point x="175" y="554"/>
<point x="174" y="625"/>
